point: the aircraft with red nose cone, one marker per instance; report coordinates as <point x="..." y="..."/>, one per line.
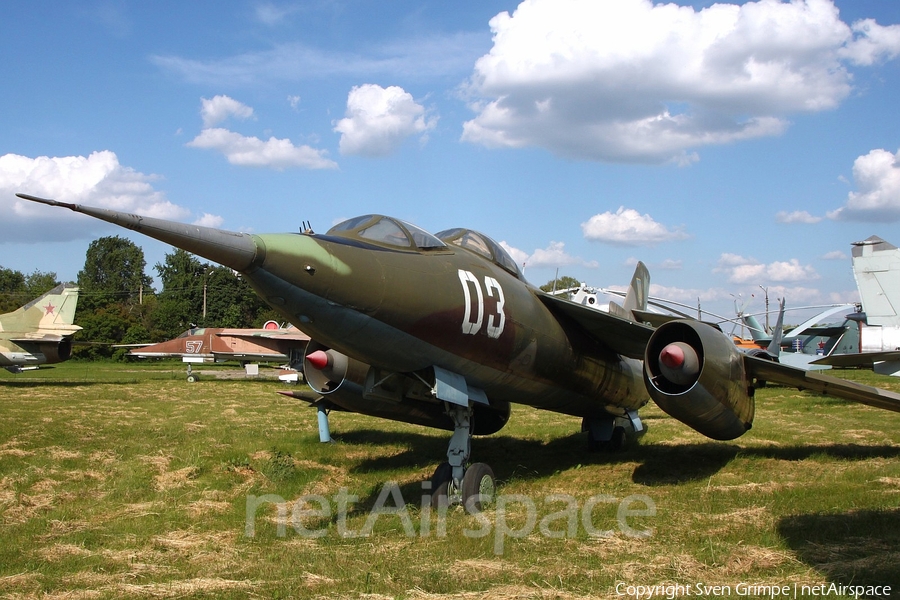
<point x="443" y="331"/>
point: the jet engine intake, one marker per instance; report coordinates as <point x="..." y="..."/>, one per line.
<point x="348" y="385"/>
<point x="696" y="375"/>
<point x="325" y="369"/>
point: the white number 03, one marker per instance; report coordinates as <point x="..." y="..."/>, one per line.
<point x="495" y="322"/>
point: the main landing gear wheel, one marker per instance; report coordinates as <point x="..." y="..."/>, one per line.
<point x="440" y="485"/>
<point x="192" y="378"/>
<point x="478" y="487"/>
<point x="453" y="483"/>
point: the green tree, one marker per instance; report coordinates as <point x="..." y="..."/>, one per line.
<point x="560" y="284"/>
<point x="17" y="289"/>
<point x="38" y="283"/>
<point x="206" y="295"/>
<point x="113" y="284"/>
<point x="113" y="273"/>
<point x="181" y="299"/>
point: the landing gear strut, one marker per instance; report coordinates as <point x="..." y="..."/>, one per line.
<point x="453" y="482"/>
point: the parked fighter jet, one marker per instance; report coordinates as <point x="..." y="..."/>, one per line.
<point x="39" y="332"/>
<point x="876" y="268"/>
<point x="444" y="331"/>
<point x="208" y="344"/>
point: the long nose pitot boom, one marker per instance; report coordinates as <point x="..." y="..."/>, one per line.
<point x="239" y="251"/>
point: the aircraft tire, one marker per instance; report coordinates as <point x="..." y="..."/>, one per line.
<point x="618" y="441"/>
<point x="478" y="481"/>
<point x="191" y="378"/>
<point x="440" y="485"/>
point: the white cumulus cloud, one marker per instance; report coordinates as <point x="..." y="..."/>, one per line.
<point x="877" y="176"/>
<point x="250" y="151"/>
<point x="627" y="226"/>
<point x="379" y="119"/>
<point x="95" y="180"/>
<point x="742" y="270"/>
<point x="253" y="152"/>
<point x="220" y="108"/>
<point x="554" y="255"/>
<point x="796" y="216"/>
<point x="639" y="81"/>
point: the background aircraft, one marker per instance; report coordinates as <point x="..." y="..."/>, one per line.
<point x="872" y="338"/>
<point x="208" y="344"/>
<point x="39" y="332"/>
<point x="443" y="330"/>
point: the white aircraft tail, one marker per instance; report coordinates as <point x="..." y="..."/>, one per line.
<point x="876" y="268"/>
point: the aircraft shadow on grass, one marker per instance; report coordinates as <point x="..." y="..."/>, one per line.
<point x="857" y="548"/>
<point x="660" y="464"/>
<point x="30" y="383"/>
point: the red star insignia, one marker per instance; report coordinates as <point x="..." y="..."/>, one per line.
<point x="49" y="309"/>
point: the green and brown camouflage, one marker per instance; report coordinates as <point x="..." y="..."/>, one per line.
<point x="444" y="331"/>
<point x="41" y="331"/>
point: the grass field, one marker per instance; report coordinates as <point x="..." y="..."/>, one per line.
<point x="126" y="481"/>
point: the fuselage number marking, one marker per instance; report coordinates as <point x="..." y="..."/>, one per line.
<point x="473" y="320"/>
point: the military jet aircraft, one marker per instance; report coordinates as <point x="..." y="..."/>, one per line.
<point x="39" y="332"/>
<point x="444" y="331"/>
<point x="876" y="268"/>
<point x="208" y="344"/>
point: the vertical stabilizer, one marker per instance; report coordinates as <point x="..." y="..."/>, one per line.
<point x="636" y="296"/>
<point x="53" y="311"/>
<point x="876" y="268"/>
<point x="774" y="347"/>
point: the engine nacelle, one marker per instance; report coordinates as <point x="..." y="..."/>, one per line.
<point x="696" y="375"/>
<point x="55" y="352"/>
<point x="353" y="386"/>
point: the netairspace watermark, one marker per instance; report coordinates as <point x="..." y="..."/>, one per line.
<point x="512" y="515"/>
<point x="742" y="589"/>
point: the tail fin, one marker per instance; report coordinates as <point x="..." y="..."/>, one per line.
<point x="778" y="333"/>
<point x="55" y="310"/>
<point x="876" y="268"/>
<point x="636" y="296"/>
<point x="757" y="332"/>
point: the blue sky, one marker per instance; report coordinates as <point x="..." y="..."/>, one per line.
<point x="728" y="146"/>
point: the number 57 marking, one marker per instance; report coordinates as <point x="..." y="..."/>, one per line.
<point x="495" y="322"/>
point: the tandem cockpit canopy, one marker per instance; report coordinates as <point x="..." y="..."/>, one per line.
<point x="483" y="245"/>
<point x="386" y="231"/>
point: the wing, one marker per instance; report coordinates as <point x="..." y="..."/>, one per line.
<point x="237" y="355"/>
<point x="624" y="337"/>
<point x="289" y="336"/>
<point x="767" y="370"/>
<point x="864" y="359"/>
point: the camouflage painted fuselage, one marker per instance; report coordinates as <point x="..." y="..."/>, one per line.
<point x="407" y="309"/>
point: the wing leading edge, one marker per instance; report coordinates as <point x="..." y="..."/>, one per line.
<point x="814" y="381"/>
<point x="622" y="336"/>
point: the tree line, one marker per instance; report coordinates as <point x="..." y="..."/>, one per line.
<point x="117" y="303"/>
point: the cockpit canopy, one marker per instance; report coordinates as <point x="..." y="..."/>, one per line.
<point x="387" y="231"/>
<point x="481" y="244"/>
